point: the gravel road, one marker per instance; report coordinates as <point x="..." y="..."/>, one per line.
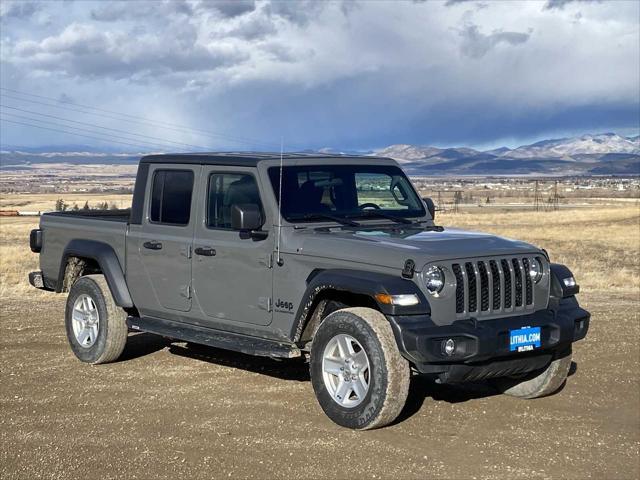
<point x="170" y="411"/>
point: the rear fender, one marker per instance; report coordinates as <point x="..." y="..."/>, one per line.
<point x="106" y="258"/>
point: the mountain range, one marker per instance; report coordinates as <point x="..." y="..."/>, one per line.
<point x="599" y="154"/>
<point x="591" y="154"/>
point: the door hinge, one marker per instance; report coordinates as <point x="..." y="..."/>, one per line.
<point x="265" y="303"/>
<point x="186" y="291"/>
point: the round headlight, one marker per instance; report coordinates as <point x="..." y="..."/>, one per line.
<point x="535" y="270"/>
<point x="434" y="280"/>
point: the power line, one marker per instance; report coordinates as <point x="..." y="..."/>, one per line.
<point x="107" y="135"/>
<point x="71" y="133"/>
<point x="134" y="118"/>
<point x="99" y="126"/>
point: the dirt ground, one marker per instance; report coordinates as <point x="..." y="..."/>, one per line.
<point x="168" y="411"/>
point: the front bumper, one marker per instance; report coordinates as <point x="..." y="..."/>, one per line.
<point x="482" y="347"/>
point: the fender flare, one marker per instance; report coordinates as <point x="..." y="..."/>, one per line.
<point x="360" y="283"/>
<point x="108" y="261"/>
<point x="558" y="289"/>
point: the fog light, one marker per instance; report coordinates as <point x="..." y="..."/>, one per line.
<point x="450" y="347"/>
<point x="569" y="282"/>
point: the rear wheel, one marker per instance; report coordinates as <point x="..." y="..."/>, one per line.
<point x="359" y="377"/>
<point x="538" y="384"/>
<point x="96" y="326"/>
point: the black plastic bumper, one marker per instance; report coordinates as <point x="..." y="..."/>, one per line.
<point x="482" y="347"/>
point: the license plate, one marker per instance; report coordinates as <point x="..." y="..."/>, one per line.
<point x="524" y="339"/>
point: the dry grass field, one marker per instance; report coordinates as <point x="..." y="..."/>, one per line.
<point x="169" y="411"/>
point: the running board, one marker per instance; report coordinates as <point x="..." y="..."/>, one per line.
<point x="214" y="338"/>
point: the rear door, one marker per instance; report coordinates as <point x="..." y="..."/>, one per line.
<point x="232" y="275"/>
<point x="163" y="242"/>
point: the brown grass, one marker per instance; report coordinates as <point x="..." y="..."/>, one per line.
<point x="44" y="202"/>
<point x="600" y="245"/>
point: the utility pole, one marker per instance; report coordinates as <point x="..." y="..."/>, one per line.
<point x="457" y="198"/>
<point x="441" y="205"/>
<point x="536" y="198"/>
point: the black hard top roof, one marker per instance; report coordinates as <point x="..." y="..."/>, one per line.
<point x="246" y="159"/>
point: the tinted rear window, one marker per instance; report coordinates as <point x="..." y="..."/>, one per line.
<point x="171" y="197"/>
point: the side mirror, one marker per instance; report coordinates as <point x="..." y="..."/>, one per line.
<point x="246" y="217"/>
<point x="431" y="207"/>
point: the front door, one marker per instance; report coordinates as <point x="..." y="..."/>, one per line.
<point x="164" y="240"/>
<point x="232" y="275"/>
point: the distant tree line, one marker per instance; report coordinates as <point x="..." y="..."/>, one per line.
<point x="62" y="206"/>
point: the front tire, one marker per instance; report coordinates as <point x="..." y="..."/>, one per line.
<point x="359" y="377"/>
<point x="539" y="384"/>
<point x="96" y="326"/>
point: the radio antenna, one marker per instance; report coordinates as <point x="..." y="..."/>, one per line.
<point x="279" y="258"/>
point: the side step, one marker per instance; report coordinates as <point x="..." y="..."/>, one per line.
<point x="214" y="338"/>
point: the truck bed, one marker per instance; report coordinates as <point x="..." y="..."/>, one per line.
<point x="60" y="228"/>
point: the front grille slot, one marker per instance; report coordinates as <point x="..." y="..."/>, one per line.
<point x="527" y="282"/>
<point x="494" y="286"/>
<point x="506" y="270"/>
<point x="457" y="271"/>
<point x="484" y="286"/>
<point x="495" y="277"/>
<point x="518" y="274"/>
<point x="471" y="280"/>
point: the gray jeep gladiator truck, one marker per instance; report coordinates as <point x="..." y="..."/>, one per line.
<point x="335" y="258"/>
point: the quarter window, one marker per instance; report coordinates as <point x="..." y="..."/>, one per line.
<point x="171" y="197"/>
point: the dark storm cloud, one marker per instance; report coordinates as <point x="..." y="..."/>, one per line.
<point x="299" y="13"/>
<point x="348" y="75"/>
<point x="475" y="44"/>
<point x="560" y="4"/>
<point x="449" y="3"/>
<point x="143" y="9"/>
<point x="18" y="9"/>
<point x="82" y="50"/>
<point x="229" y="8"/>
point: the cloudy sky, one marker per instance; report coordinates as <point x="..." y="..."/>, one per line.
<point x="348" y="75"/>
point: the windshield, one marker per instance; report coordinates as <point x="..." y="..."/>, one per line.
<point x="312" y="192"/>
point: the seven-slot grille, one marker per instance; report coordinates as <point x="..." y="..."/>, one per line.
<point x="493" y="286"/>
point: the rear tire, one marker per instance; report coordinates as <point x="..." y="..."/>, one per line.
<point x="366" y="387"/>
<point x="96" y="326"/>
<point x="539" y="384"/>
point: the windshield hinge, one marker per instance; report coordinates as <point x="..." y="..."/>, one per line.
<point x="267" y="260"/>
<point x="409" y="268"/>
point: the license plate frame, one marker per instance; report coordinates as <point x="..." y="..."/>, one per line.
<point x="525" y="339"/>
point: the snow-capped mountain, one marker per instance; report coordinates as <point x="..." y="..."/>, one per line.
<point x="585" y="145"/>
<point x="605" y="153"/>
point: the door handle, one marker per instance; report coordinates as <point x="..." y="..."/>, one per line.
<point x="152" y="245"/>
<point x="205" y="251"/>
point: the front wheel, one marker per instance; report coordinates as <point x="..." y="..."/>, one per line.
<point x="96" y="326"/>
<point x="359" y="377"/>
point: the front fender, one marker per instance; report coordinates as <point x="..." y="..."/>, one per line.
<point x="107" y="259"/>
<point x="360" y="283"/>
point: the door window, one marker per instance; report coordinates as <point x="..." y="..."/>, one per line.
<point x="171" y="197"/>
<point x="227" y="190"/>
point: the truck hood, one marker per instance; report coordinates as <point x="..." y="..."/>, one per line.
<point x="392" y="247"/>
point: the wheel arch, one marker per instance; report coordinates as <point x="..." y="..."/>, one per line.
<point x="81" y="257"/>
<point x="354" y="288"/>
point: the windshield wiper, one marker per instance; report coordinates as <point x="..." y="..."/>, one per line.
<point x="325" y="216"/>
<point x="388" y="216"/>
